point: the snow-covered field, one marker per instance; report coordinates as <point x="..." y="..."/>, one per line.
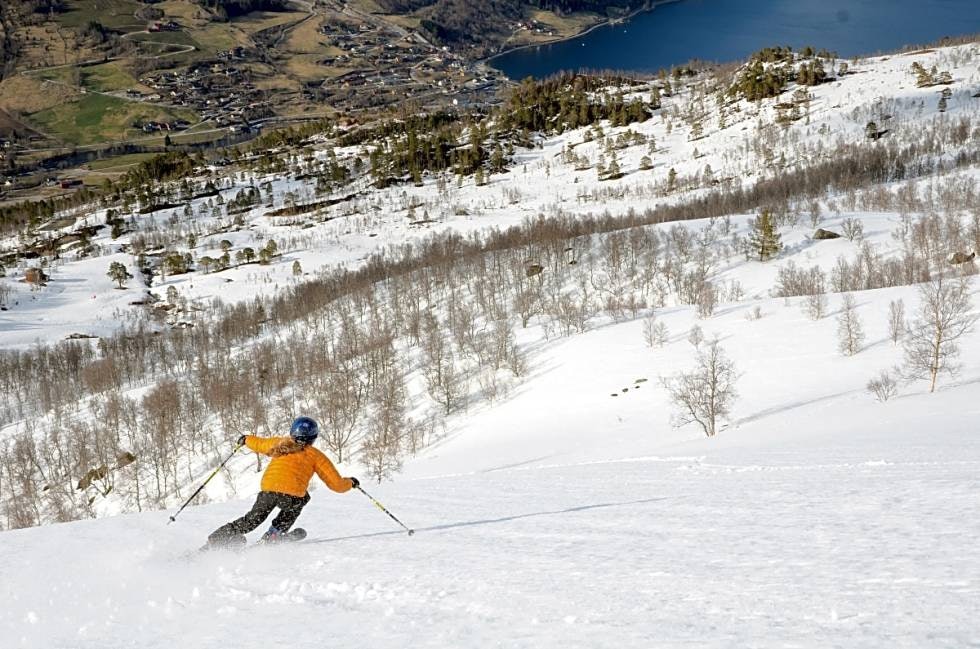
<point x="571" y="513"/>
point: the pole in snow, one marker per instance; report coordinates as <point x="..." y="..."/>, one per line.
<point x="173" y="518"/>
<point x="382" y="508"/>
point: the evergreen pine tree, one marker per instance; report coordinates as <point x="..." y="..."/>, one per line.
<point x="655" y="101"/>
<point x="614" y="171"/>
<point x="764" y="239"/>
<point x="697" y="131"/>
<point x="497" y="160"/>
<point x="118" y="273"/>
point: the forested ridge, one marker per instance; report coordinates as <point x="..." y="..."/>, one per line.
<point x="467" y="21"/>
<point x="232" y="8"/>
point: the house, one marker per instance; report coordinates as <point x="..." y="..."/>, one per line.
<point x="169" y="26"/>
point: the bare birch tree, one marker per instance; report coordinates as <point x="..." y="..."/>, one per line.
<point x="850" y="333"/>
<point x="945" y="315"/>
<point x="706" y="394"/>
<point x="896" y="320"/>
<point x="815" y="305"/>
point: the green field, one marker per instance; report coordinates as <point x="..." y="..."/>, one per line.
<point x="62" y="75"/>
<point x="164" y="44"/>
<point x="168" y="38"/>
<point x="107" y="77"/>
<point x="107" y="164"/>
<point x="114" y="14"/>
<point x="218" y="37"/>
<point x="96" y="118"/>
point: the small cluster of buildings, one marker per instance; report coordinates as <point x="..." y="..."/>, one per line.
<point x="220" y="91"/>
<point x="163" y="26"/>
<point x="535" y="27"/>
<point x="156" y="127"/>
<point x="388" y="68"/>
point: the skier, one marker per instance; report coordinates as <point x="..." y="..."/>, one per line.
<point x="284" y="484"/>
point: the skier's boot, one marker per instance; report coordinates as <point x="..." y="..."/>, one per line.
<point x="225" y="542"/>
<point x="273" y="535"/>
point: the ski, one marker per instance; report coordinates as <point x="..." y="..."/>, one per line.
<point x="291" y="536"/>
<point x="238" y="544"/>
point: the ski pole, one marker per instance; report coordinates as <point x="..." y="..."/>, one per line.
<point x="194" y="495"/>
<point x="382" y="508"/>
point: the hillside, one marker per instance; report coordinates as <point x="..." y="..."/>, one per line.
<point x="566" y="517"/>
<point x="488" y="26"/>
<point x="493" y="314"/>
<point x="324" y="205"/>
<point x="110" y="78"/>
<point x="85" y="80"/>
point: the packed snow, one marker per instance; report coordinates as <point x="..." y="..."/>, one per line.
<point x="570" y="518"/>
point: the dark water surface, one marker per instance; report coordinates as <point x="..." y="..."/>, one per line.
<point x="728" y="30"/>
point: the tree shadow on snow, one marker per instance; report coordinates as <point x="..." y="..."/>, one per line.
<point x="493" y="521"/>
<point x="782" y="408"/>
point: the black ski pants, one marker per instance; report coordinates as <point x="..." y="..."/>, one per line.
<point x="289" y="510"/>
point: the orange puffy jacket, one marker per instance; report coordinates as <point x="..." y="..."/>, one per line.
<point x="290" y="472"/>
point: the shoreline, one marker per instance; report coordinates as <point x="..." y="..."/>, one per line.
<point x="602" y="23"/>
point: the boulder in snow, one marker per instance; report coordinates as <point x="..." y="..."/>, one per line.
<point x="822" y="235"/>
<point x="35" y="276"/>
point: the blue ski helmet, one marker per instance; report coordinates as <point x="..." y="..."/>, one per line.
<point x="304" y="430"/>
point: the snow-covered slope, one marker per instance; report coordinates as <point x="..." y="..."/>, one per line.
<point x="567" y="517"/>
<point x="739" y="150"/>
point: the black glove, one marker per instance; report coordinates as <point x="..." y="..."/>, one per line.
<point x="355" y="483"/>
<point x="241" y="440"/>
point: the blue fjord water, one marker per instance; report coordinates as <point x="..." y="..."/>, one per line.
<point x="729" y="30"/>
